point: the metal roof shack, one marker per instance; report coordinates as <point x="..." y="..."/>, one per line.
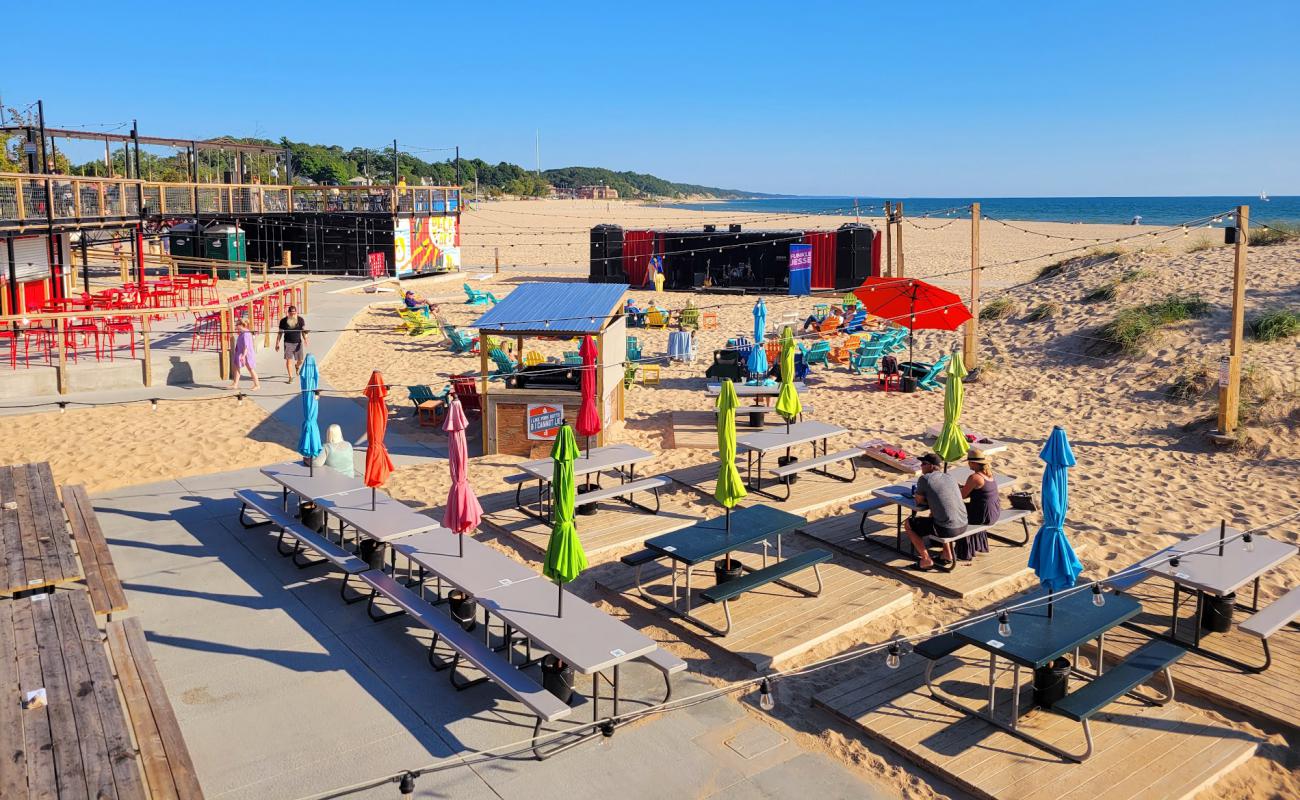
<point x="555" y="309"/>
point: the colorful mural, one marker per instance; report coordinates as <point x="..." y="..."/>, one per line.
<point x="426" y="245"/>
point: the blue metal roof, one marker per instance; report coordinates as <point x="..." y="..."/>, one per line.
<point x="555" y="307"/>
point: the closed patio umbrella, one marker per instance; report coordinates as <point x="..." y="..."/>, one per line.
<point x="378" y="465"/>
<point x="757" y="363"/>
<point x="1051" y="557"/>
<point x="588" y="412"/>
<point x="952" y="444"/>
<point x="463" y="511"/>
<point x="565" y="560"/>
<point x="309" y="438"/>
<point x="730" y="488"/>
<point x="788" y="404"/>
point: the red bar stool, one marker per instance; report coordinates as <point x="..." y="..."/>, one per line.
<point x="84" y="328"/>
<point x="114" y="326"/>
<point x="43" y="338"/>
<point x="207" y="332"/>
<point x="7" y="334"/>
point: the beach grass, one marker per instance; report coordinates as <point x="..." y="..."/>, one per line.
<point x="1201" y="244"/>
<point x="1098" y="256"/>
<point x="1193" y="381"/>
<point x="1104" y="292"/>
<point x="1000" y="308"/>
<point x="1276" y="233"/>
<point x="1134" y="275"/>
<point x="1133" y="329"/>
<point x="1042" y="311"/>
<point x="1276" y="324"/>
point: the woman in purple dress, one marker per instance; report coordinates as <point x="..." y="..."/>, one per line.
<point x="245" y="358"/>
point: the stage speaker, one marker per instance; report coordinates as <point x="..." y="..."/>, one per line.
<point x="606" y="254"/>
<point x="734" y="228"/>
<point x="853" y="262"/>
<point x="710" y="228"/>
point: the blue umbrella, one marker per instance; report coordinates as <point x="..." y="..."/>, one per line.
<point x="758" y="354"/>
<point x="309" y="440"/>
<point x="1052" y="558"/>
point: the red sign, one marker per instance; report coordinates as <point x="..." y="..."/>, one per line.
<point x="544" y="421"/>
<point x="378" y="266"/>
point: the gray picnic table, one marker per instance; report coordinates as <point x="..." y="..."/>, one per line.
<point x="619" y="458"/>
<point x="781" y="438"/>
<point x="750" y="390"/>
<point x="462" y="561"/>
<point x="1205" y="568"/>
<point x="988" y="444"/>
<point x="310" y="483"/>
<point x="901" y="495"/>
<point x="383" y="519"/>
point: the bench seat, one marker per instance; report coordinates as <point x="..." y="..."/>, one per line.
<point x="936" y="647"/>
<point x="640" y="557"/>
<point x="544" y="705"/>
<point x="1270" y="619"/>
<point x="804" y="465"/>
<point x="1131" y="576"/>
<point x="1149" y="659"/>
<point x="666" y="663"/>
<point x="102" y="582"/>
<point x="303" y="536"/>
<point x="623" y="491"/>
<point x="730" y="590"/>
<point x="1007" y="515"/>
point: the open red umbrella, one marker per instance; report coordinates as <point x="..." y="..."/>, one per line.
<point x="378" y="465"/>
<point x="913" y="303"/>
<point x="463" y="511"/>
<point x="588" y="414"/>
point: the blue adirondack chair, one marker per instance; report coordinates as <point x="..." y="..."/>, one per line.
<point x="929" y="381"/>
<point x="898" y="342"/>
<point x="504" y="363"/>
<point x="633" y="349"/>
<point x="742" y="346"/>
<point x="866" y="358"/>
<point x="800" y="368"/>
<point x="856" y="323"/>
<point x="421" y="393"/>
<point x="475" y="297"/>
<point x="461" y="342"/>
<point x="572" y="359"/>
<point x="819" y="353"/>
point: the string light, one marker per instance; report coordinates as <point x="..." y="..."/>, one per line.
<point x="407" y="786"/>
<point x="1004" y="624"/>
<point x="766" y="700"/>
<point x="1248" y="542"/>
<point x="1098" y="599"/>
<point x="895" y="657"/>
<point x="153" y="404"/>
<point x="1175" y="561"/>
<point x="63" y="406"/>
<point x="239" y="398"/>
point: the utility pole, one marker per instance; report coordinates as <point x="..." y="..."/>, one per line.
<point x="889" y="238"/>
<point x="458" y="165"/>
<point x="397" y="170"/>
<point x="968" y="350"/>
<point x="1230" y="365"/>
<point x="898" y="228"/>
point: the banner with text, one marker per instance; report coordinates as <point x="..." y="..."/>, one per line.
<point x="800" y="269"/>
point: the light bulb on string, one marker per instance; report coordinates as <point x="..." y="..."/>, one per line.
<point x="1098" y="599"/>
<point x="895" y="655"/>
<point x="766" y="700"/>
<point x="407" y="785"/>
<point x="63" y="406"/>
<point x="1004" y="624"/>
<point x="606" y="732"/>
<point x="1248" y="542"/>
<point x="153" y="404"/>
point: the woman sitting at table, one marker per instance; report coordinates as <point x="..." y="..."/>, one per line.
<point x="336" y="453"/>
<point x="983" y="505"/>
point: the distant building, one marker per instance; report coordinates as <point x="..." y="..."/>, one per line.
<point x="600" y="192"/>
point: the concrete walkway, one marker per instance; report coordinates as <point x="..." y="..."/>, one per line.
<point x="283" y="691"/>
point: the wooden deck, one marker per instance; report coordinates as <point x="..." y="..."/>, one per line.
<point x="773" y="624"/>
<point x="1141" y="751"/>
<point x="811" y="492"/>
<point x="612" y="528"/>
<point x="1273" y="695"/>
<point x="998" y="569"/>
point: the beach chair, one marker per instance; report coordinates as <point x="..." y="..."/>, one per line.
<point x="773" y="349"/>
<point x="656" y="318"/>
<point x="475" y="297"/>
<point x="819" y="353"/>
<point x="800" y="367"/>
<point x="742" y="346"/>
<point x="572" y="358"/>
<point x="866" y="358"/>
<point x="828" y="327"/>
<point x="857" y="323"/>
<point x="532" y="358"/>
<point x="461" y="342"/>
<point x="689" y="317"/>
<point x="505" y="364"/>
<point x="633" y="349"/>
<point x="897" y="341"/>
<point x="709" y="320"/>
<point x="929" y="381"/>
<point x="629" y="376"/>
<point x="421" y="394"/>
<point x="821" y="311"/>
<point x="850" y="302"/>
<point x="417" y="324"/>
<point x="842" y="353"/>
<point x="466" y="391"/>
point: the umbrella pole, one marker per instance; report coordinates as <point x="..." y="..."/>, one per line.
<point x="1050" y="593"/>
<point x="372" y="498"/>
<point x="461" y="542"/>
<point x="728" y="518"/>
<point x="559" y="599"/>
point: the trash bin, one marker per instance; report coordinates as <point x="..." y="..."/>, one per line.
<point x="311" y="516"/>
<point x="785" y="461"/>
<point x="557" y="678"/>
<point x="727" y="569"/>
<point x="1051" y="682"/>
<point x="1216" y="612"/>
<point x="464" y="609"/>
<point x="372" y="553"/>
<point x="586" y="509"/>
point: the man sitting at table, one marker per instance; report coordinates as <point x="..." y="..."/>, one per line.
<point x="939" y="492"/>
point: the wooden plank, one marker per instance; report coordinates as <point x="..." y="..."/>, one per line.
<point x="87" y="523"/>
<point x="13" y="753"/>
<point x="153" y="755"/>
<point x="42" y="531"/>
<point x="33" y="574"/>
<point x="86" y="549"/>
<point x="70" y="773"/>
<point x="61" y="541"/>
<point x="11" y="545"/>
<point x="36" y="727"/>
<point x="85" y="710"/>
<point x="178" y="754"/>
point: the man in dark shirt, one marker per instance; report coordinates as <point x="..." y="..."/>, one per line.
<point x="293" y="332"/>
<point x="939" y="492"/>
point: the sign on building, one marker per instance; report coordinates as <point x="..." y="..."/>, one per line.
<point x="544" y="421"/>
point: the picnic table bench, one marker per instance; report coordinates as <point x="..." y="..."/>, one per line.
<point x="106" y="593"/>
<point x="303" y="537"/>
<point x="726" y="592"/>
<point x="623" y="493"/>
<point x="800" y="433"/>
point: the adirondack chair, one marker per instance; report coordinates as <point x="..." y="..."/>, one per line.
<point x="929" y="381"/>
<point x="742" y="346"/>
<point x="417" y="324"/>
<point x="867" y="358"/>
<point x="656" y="318"/>
<point x="629" y="376"/>
<point x="476" y="297"/>
<point x="689" y="317"/>
<point x="800" y="368"/>
<point x="572" y="359"/>
<point x="532" y="358"/>
<point x="633" y="349"/>
<point x="467" y="392"/>
<point x="857" y="322"/>
<point x="504" y="363"/>
<point x="773" y="349"/>
<point x="828" y="327"/>
<point x="898" y="341"/>
<point x="819" y="353"/>
<point x="841" y="353"/>
<point x="821" y="311"/>
<point x="461" y="342"/>
<point x="423" y="393"/>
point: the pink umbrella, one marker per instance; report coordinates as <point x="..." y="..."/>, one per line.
<point x="463" y="511"/>
<point x="588" y="415"/>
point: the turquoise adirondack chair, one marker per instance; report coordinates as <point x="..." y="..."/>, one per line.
<point x="866" y="358"/>
<point x="572" y="359"/>
<point x="633" y="349"/>
<point x="475" y="297"/>
<point x="504" y="363"/>
<point x="929" y="381"/>
<point x="421" y="393"/>
<point x="461" y="342"/>
<point x="819" y="353"/>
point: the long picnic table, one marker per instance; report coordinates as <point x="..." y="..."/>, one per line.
<point x="310" y="482"/>
<point x="780" y="438"/>
<point x="619" y="458"/>
<point x="35" y="544"/>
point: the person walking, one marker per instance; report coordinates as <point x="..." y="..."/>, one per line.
<point x="245" y="357"/>
<point x="293" y="332"/>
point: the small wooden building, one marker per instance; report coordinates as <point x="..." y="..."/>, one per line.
<point x="523" y="412"/>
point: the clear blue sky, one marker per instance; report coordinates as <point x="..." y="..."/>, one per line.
<point x="903" y="99"/>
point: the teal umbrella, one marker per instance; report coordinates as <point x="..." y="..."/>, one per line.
<point x="309" y="438"/>
<point x="565" y="560"/>
<point x="757" y="362"/>
<point x="1051" y="557"/>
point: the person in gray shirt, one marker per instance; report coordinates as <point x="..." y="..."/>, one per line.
<point x="939" y="492"/>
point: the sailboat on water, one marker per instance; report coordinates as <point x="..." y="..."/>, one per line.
<point x="1263" y="196"/>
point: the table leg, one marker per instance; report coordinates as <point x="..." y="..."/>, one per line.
<point x="687" y="567"/>
<point x="1101" y="656"/>
<point x="1015" y="696"/>
<point x="1196" y="619"/>
<point x="993" y="666"/>
<point x="616" y="669"/>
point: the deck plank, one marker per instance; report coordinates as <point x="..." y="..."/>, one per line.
<point x="811" y="492"/>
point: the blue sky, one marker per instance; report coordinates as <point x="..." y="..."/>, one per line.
<point x="920" y="99"/>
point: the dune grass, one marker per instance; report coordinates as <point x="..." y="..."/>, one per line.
<point x="1276" y="233"/>
<point x="1193" y="381"/>
<point x="999" y="308"/>
<point x="1133" y="329"/>
<point x="1201" y="244"/>
<point x="1134" y="275"/>
<point x="1089" y="258"/>
<point x="1274" y="325"/>
<point x="1105" y="292"/>
<point x="1043" y="311"/>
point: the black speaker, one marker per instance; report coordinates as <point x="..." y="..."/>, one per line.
<point x="710" y="228"/>
<point x="606" y="254"/>
<point x="734" y="228"/>
<point x="853" y="257"/>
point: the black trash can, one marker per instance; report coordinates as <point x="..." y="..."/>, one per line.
<point x="312" y="516"/>
<point x="464" y="609"/>
<point x="372" y="553"/>
<point x="557" y="678"/>
<point x="1216" y="612"/>
<point x="727" y="569"/>
<point x="586" y="509"/>
<point x="1051" y="682"/>
<point x="907" y="384"/>
<point x="785" y="461"/>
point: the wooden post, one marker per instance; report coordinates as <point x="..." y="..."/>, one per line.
<point x="898" y="227"/>
<point x="63" y="355"/>
<point x="19" y="200"/>
<point x="223" y="329"/>
<point x="266" y="326"/>
<point x="123" y="271"/>
<point x="148" y="360"/>
<point x="484" y="407"/>
<point x="969" y="347"/>
<point x="496" y="255"/>
<point x="1230" y="369"/>
<point x="600" y="385"/>
<point x="889" y="239"/>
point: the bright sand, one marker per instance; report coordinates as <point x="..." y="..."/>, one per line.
<point x="1142" y="477"/>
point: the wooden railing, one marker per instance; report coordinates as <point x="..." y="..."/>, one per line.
<point x="28" y="201"/>
<point x="227" y="311"/>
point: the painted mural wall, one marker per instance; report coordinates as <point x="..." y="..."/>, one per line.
<point x="425" y="245"/>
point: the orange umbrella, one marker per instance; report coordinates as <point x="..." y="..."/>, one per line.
<point x="378" y="465"/>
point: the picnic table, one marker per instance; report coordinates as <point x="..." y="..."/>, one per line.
<point x="988" y="444"/>
<point x="619" y="458"/>
<point x="710" y="539"/>
<point x="902" y="494"/>
<point x="374" y="515"/>
<point x="35" y="545"/>
<point x="79" y="743"/>
<point x="778" y="438"/>
<point x="752" y="390"/>
<point x="1037" y="639"/>
<point x="468" y="564"/>
<point x="1205" y="569"/>
<point x="310" y="482"/>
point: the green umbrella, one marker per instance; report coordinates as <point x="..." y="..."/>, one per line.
<point x="730" y="487"/>
<point x="788" y="404"/>
<point x="564" y="557"/>
<point x="952" y="444"/>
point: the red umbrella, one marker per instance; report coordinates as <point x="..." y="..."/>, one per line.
<point x="463" y="511"/>
<point x="912" y="303"/>
<point x="588" y="414"/>
<point x="378" y="465"/>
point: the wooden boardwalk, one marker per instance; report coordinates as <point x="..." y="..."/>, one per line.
<point x="613" y="527"/>
<point x="773" y="624"/>
<point x="1141" y="751"/>
<point x="811" y="492"/>
<point x="1272" y="695"/>
<point x="1000" y="568"/>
